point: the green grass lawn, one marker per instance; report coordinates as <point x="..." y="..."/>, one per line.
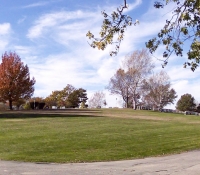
<point x="87" y="136"/>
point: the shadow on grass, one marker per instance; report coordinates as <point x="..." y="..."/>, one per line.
<point x="50" y="113"/>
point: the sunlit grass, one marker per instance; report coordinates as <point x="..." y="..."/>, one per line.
<point x="96" y="137"/>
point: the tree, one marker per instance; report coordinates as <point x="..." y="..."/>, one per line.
<point x="38" y="99"/>
<point x="113" y="25"/>
<point x="186" y="103"/>
<point x="184" y="26"/>
<point x="68" y="97"/>
<point x="65" y="94"/>
<point x="15" y="82"/>
<point x="139" y="66"/>
<point x="58" y="97"/>
<point x="27" y="106"/>
<point x="127" y="82"/>
<point x="157" y="92"/>
<point x="118" y="84"/>
<point x="198" y="108"/>
<point x="76" y="97"/>
<point x="97" y="100"/>
<point x="52" y="99"/>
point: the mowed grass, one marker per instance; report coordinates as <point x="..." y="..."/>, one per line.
<point x="88" y="136"/>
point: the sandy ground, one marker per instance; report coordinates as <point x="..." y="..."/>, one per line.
<point x="180" y="164"/>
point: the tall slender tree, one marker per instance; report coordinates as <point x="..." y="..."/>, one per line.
<point x="15" y="81"/>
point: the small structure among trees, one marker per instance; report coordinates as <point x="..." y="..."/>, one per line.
<point x="36" y="103"/>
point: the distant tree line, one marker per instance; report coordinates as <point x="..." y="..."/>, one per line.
<point x="17" y="88"/>
<point x="135" y="82"/>
<point x="69" y="97"/>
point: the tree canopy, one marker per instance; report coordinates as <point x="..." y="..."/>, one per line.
<point x="186" y="103"/>
<point x="128" y="80"/>
<point x="69" y="97"/>
<point x="184" y="26"/>
<point x="15" y="81"/>
<point x="113" y="25"/>
<point x="97" y="100"/>
<point x="157" y="91"/>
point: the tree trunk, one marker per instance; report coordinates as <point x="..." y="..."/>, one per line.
<point x="134" y="104"/>
<point x="127" y="102"/>
<point x="10" y="104"/>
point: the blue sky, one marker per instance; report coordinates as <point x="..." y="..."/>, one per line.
<point x="50" y="37"/>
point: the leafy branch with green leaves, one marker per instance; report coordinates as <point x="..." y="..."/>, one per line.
<point x="182" y="28"/>
<point x="113" y="25"/>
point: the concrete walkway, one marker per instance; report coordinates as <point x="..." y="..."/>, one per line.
<point x="180" y="164"/>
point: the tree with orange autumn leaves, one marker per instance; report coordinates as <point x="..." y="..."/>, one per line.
<point x="15" y="81"/>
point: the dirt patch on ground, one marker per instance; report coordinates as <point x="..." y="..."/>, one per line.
<point x="140" y="117"/>
<point x="16" y="116"/>
<point x="14" y="120"/>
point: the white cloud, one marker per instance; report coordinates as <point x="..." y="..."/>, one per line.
<point x="51" y="21"/>
<point x="5" y="34"/>
<point x="134" y="5"/>
<point x="21" y="20"/>
<point x="35" y="5"/>
<point x="22" y="50"/>
<point x="186" y="87"/>
<point x="5" y="29"/>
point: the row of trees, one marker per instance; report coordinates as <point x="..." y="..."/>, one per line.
<point x="135" y="82"/>
<point x="16" y="87"/>
<point x="137" y="85"/>
<point x="69" y="97"/>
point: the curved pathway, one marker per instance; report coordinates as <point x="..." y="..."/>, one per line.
<point x="180" y="164"/>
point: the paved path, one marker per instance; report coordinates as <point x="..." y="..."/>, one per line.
<point x="180" y="164"/>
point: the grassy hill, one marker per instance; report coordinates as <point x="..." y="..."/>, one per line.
<point x="76" y="135"/>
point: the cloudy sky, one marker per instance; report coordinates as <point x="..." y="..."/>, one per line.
<point x="50" y="37"/>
